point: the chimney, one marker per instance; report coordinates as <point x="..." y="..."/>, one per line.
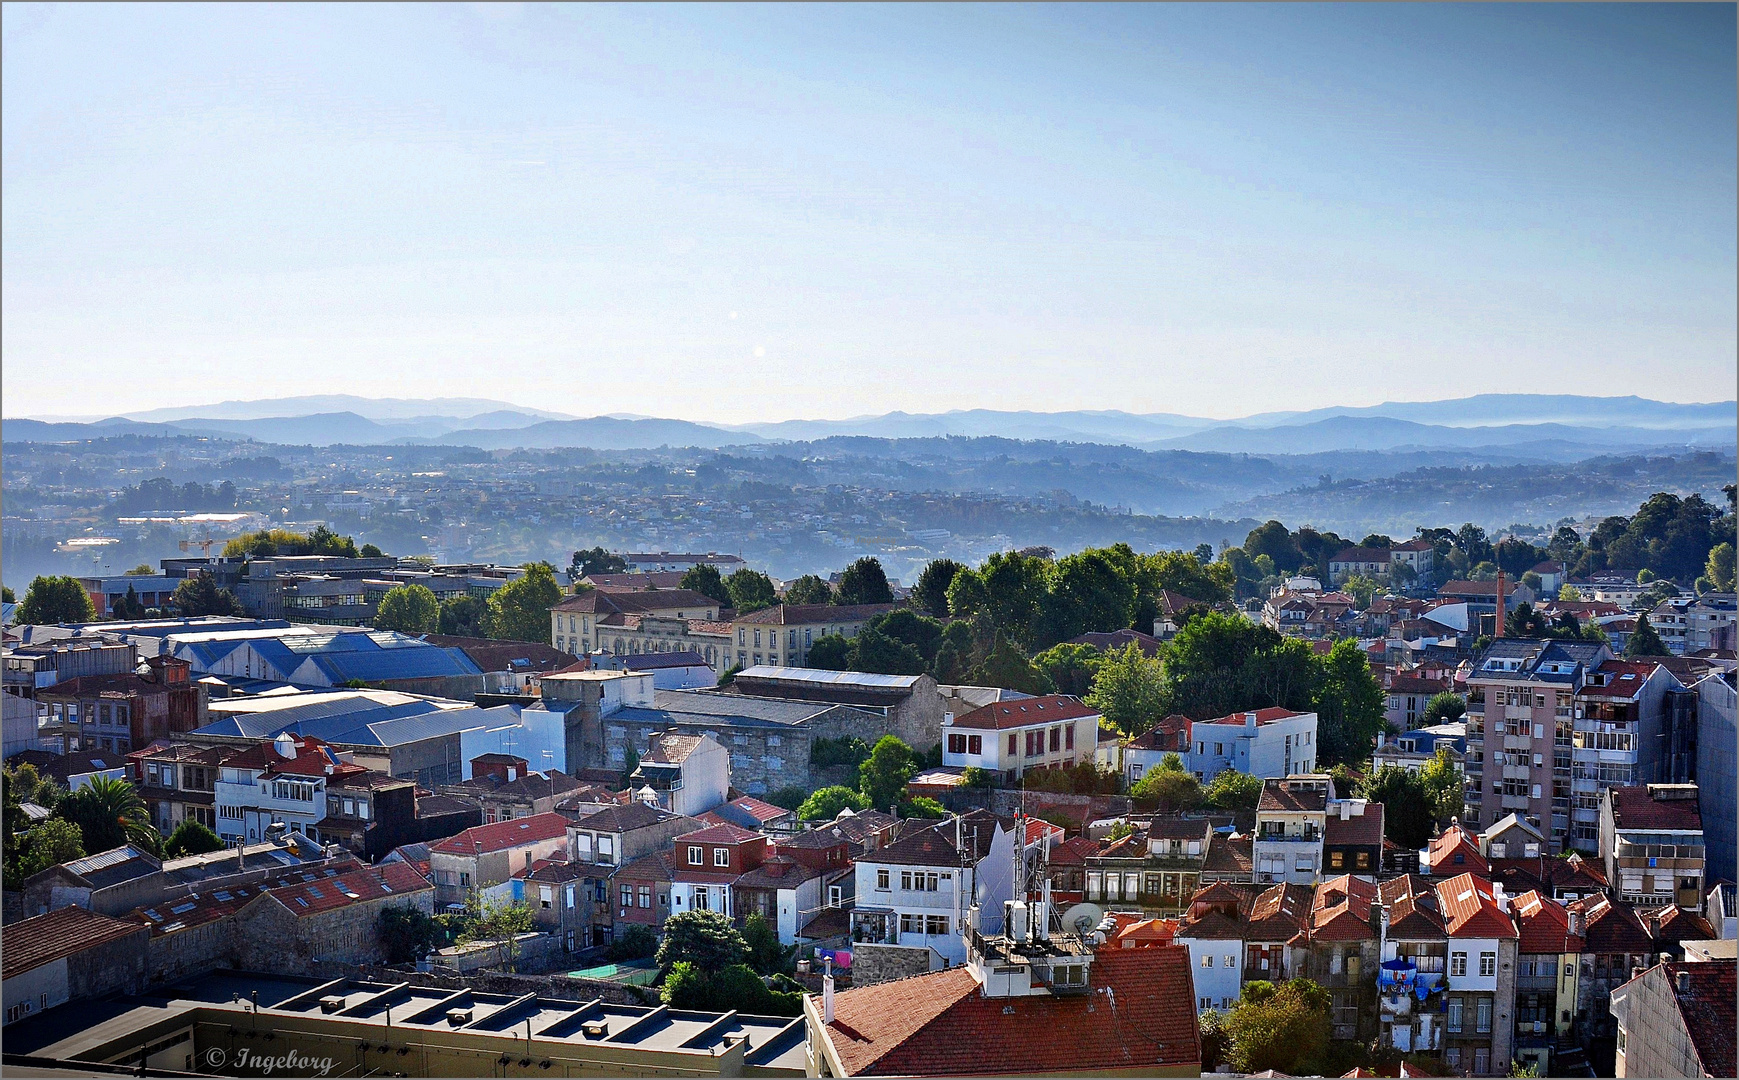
<point x="1575" y="923"/>
<point x="1682" y="981"/>
<point x="1498" y="630"/>
<point x="1249" y="723"/>
<point x="827" y="992"/>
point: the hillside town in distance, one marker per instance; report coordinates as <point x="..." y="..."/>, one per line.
<point x="1447" y="804"/>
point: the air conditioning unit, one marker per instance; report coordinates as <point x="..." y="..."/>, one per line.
<point x="458" y="1016"/>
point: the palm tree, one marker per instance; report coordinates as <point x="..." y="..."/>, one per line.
<point x="110" y="813"/>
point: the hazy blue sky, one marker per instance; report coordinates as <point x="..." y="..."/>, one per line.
<point x="745" y="213"/>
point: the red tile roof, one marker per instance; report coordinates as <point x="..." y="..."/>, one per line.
<point x="1611" y="929"/>
<point x="1672" y="924"/>
<point x="760" y="811"/>
<point x="330" y="894"/>
<point x="1636" y="808"/>
<point x="1280" y="912"/>
<point x="1708" y="1012"/>
<point x="1025" y="712"/>
<point x="502" y="835"/>
<point x="1358" y="829"/>
<point x="57" y="935"/>
<point x="801" y="614"/>
<point x="1544" y="925"/>
<point x="1454" y="852"/>
<point x="1263" y="716"/>
<point x="1624" y="679"/>
<point x="1139" y="1015"/>
<point x="1073" y="851"/>
<point x="1470" y="911"/>
<point x="1341" y="910"/>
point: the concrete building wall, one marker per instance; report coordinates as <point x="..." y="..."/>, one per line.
<point x="1652" y="1040"/>
<point x="1718" y="776"/>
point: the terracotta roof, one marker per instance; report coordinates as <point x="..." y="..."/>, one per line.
<point x="778" y="873"/>
<point x="825" y="836"/>
<point x="725" y="833"/>
<point x="1708" y="1012"/>
<point x="1543" y="925"/>
<point x="1263" y="716"/>
<point x="673" y="749"/>
<point x="502" y="835"/>
<point x="1546" y="873"/>
<point x="1119" y="639"/>
<point x="1073" y="851"/>
<point x="939" y="1024"/>
<point x="760" y="811"/>
<point x="1408" y="684"/>
<point x="655" y="867"/>
<point x="1163" y="735"/>
<point x="637" y="603"/>
<point x="1611" y="929"/>
<point x="1624" y="679"/>
<point x="330" y="894"/>
<point x="1672" y="924"/>
<point x="1025" y="712"/>
<point x="1470" y="911"/>
<point x="1635" y="808"/>
<point x="1212" y="926"/>
<point x="1455" y="851"/>
<point x="1341" y="910"/>
<point x="59" y="934"/>
<point x="1280" y="912"/>
<point x="932" y="846"/>
<point x="830" y="922"/>
<point x="1365" y="828"/>
<point x="801" y="614"/>
<point x="1229" y="854"/>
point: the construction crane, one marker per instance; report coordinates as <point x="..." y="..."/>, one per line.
<point x="203" y="545"/>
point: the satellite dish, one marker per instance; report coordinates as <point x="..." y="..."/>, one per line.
<point x="1082" y="918"/>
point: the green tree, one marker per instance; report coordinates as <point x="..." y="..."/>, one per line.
<point x="883" y="775"/>
<point x="1444" y="784"/>
<point x="200" y="596"/>
<point x="686" y="986"/>
<point x="1718" y="568"/>
<point x="51" y="600"/>
<point x="406" y="933"/>
<point x="790" y="796"/>
<point x="370" y="551"/>
<point x="1168" y="790"/>
<point x="1409" y="811"/>
<point x="1069" y="667"/>
<point x="1186" y="574"/>
<point x="1233" y="790"/>
<point x="1220" y="664"/>
<point x="1444" y="708"/>
<point x="595" y="561"/>
<point x="191" y="837"/>
<point x="1015" y="588"/>
<point x="17" y="787"/>
<point x="49" y="844"/>
<point x="1170" y="761"/>
<point x="1129" y="690"/>
<point x="922" y="806"/>
<point x="1569" y="593"/>
<point x="730" y="675"/>
<point x="705" y="939"/>
<point x="6" y="594"/>
<point x="704" y="578"/>
<point x="635" y="942"/>
<point x="1284" y="1028"/>
<point x="826" y="803"/>
<point x="519" y="610"/>
<point x="409" y="609"/>
<point x="1644" y="641"/>
<point x="975" y="777"/>
<point x="464" y="616"/>
<point x="912" y="628"/>
<point x="766" y="955"/>
<point x="1272" y="539"/>
<point x="830" y="652"/>
<point x="876" y="652"/>
<point x="864" y="582"/>
<point x="144" y="569"/>
<point x="109" y="813"/>
<point x="1088" y="594"/>
<point x="1360" y="588"/>
<point x="1348" y="705"/>
<point x="750" y="590"/>
<point x="1008" y="667"/>
<point x="931" y="591"/>
<point x="809" y="589"/>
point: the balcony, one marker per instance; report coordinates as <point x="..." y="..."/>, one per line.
<point x="1308" y="836"/>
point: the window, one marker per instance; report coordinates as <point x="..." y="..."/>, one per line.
<point x="696" y="855"/>
<point x="1336" y="860"/>
<point x="645" y="896"/>
<point x="1452" y="1054"/>
<point x="1230" y="960"/>
<point x="1056" y="739"/>
<point x="1069" y="737"/>
<point x="570" y="897"/>
<point x="882" y="878"/>
<point x="1488" y="964"/>
<point x="1302" y="864"/>
<point x="1482" y="1016"/>
<point x="1013" y="743"/>
<point x="956" y="743"/>
<point x="721" y="856"/>
<point x="1453" y="1023"/>
<point x="1457" y="965"/>
<point x="545" y="896"/>
<point x="975" y="744"/>
<point x="936" y="924"/>
<point x="1207" y="961"/>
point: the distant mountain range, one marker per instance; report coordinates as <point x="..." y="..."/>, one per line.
<point x="1556" y="426"/>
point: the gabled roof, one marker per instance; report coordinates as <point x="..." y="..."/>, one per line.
<point x="1229" y="854"/>
<point x="1119" y="639"/>
<point x="1358" y="829"/>
<point x="1073" y="851"/>
<point x="1454" y="852"/>
<point x="330" y="894"/>
<point x="1263" y="716"/>
<point x="624" y="818"/>
<point x="1543" y="925"/>
<point x="1027" y="712"/>
<point x="933" y="846"/>
<point x="1470" y="911"/>
<point x="720" y="834"/>
<point x="1163" y="735"/>
<point x="1707" y="1010"/>
<point x="673" y="749"/>
<point x="939" y="1024"/>
<point x="655" y="866"/>
<point x="503" y="835"/>
<point x="113" y="866"/>
<point x="1279" y="913"/>
<point x="60" y="933"/>
<point x="1212" y="925"/>
<point x="1285" y="795"/>
<point x="1672" y="924"/>
<point x="1341" y="910"/>
<point x="1612" y="929"/>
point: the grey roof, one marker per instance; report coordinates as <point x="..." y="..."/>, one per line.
<point x="365" y="723"/>
<point x="711" y="706"/>
<point x="114" y="866"/>
<point x="832" y="678"/>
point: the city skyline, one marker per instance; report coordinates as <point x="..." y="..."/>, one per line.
<point x="1210" y="211"/>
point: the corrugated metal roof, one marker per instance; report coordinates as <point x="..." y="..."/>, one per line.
<point x="837" y="678"/>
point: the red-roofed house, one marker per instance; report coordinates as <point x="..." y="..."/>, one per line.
<point x="69" y="954"/>
<point x="283" y="780"/>
<point x="294" y="929"/>
<point x="1614" y="941"/>
<point x="486" y="857"/>
<point x="1455" y="851"/>
<point x="1338" y="948"/>
<point x="1010" y="737"/>
<point x="1678" y="1020"/>
<point x="709" y="862"/>
<point x="1651" y="840"/>
<point x="943" y="1024"/>
<point x="1548" y="964"/>
<point x="1479" y="1028"/>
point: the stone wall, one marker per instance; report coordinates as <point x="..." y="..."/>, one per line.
<point x="871" y="964"/>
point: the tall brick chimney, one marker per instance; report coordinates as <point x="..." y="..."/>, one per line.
<point x="1498" y="630"/>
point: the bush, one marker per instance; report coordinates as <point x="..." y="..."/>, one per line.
<point x="922" y="806"/>
<point x="1081" y="779"/>
<point x="705" y="939"/>
<point x="191" y="837"/>
<point x="634" y="943"/>
<point x="790" y="797"/>
<point x="407" y="933"/>
<point x="847" y="750"/>
<point x="825" y="804"/>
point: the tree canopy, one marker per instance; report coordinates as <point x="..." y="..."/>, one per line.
<point x="1284" y="1028"/>
<point x="1129" y="690"/>
<point x="931" y="592"/>
<point x="109" y="813"/>
<point x="704" y="578"/>
<point x="705" y="939"/>
<point x="809" y="589"/>
<point x="1644" y="640"/>
<point x="199" y="595"/>
<point x="750" y="590"/>
<point x="409" y="609"/>
<point x="883" y="775"/>
<point x="56" y="599"/>
<point x="864" y="582"/>
<point x="519" y="610"/>
<point x="824" y="804"/>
